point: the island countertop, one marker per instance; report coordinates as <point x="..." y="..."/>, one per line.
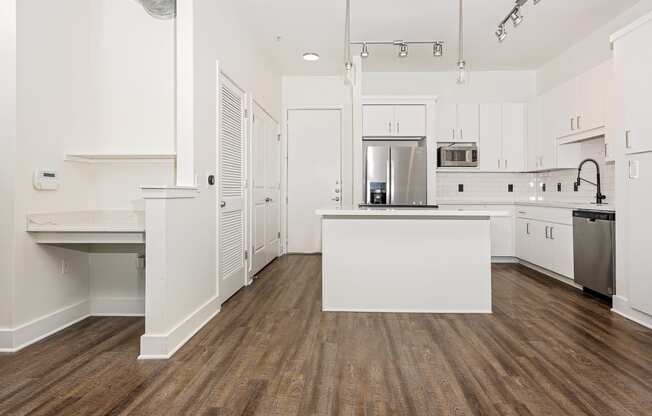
<point x="409" y="212"/>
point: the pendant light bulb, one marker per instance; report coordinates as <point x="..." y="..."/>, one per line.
<point x="438" y="49"/>
<point x="403" y="51"/>
<point x="461" y="73"/>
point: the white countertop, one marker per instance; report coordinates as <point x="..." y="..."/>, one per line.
<point x="408" y="212"/>
<point x="548" y="204"/>
<point x="87" y="222"/>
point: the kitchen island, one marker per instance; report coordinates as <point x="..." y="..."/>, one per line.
<point x="406" y="260"/>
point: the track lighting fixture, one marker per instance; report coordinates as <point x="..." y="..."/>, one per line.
<point x="501" y="33"/>
<point x="403" y="47"/>
<point x="365" y="51"/>
<point x="438" y="49"/>
<point x="403" y="50"/>
<point x="515" y="16"/>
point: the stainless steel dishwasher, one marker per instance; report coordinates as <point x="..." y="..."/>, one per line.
<point x="594" y="241"/>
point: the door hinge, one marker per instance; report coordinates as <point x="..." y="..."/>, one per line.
<point x="246" y="255"/>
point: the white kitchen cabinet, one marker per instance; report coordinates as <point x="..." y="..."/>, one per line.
<point x="638" y="236"/>
<point x="544" y="237"/>
<point x="410" y="120"/>
<point x="593" y="90"/>
<point x="502" y="137"/>
<point x="534" y="126"/>
<point x="490" y="150"/>
<point x="458" y="122"/>
<point x="560" y="241"/>
<point x="632" y="66"/>
<point x="378" y="120"/>
<point x="468" y="122"/>
<point x="394" y="120"/>
<point x="514" y="134"/>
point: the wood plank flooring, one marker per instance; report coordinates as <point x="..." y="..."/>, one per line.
<point x="546" y="350"/>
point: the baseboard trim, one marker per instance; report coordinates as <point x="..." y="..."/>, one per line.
<point x="118" y="306"/>
<point x="622" y="308"/>
<point x="163" y="346"/>
<point x="504" y="260"/>
<point x="448" y="312"/>
<point x="558" y="277"/>
<point x="14" y="340"/>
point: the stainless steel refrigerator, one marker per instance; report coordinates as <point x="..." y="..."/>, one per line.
<point x="396" y="175"/>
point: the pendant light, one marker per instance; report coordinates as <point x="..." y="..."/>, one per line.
<point x="461" y="63"/>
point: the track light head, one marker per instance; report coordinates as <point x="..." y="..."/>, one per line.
<point x="501" y="33"/>
<point x="516" y="17"/>
<point x="438" y="49"/>
<point x="403" y="50"/>
<point x="365" y="51"/>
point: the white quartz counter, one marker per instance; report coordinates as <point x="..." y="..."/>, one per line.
<point x="409" y="213"/>
<point x="545" y="204"/>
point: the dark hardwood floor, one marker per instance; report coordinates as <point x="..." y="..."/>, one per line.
<point x="546" y="350"/>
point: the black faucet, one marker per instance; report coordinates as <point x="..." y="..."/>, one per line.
<point x="599" y="198"/>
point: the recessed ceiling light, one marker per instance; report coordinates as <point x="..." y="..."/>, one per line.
<point x="310" y="56"/>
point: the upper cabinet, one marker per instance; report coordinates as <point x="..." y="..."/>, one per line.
<point x="394" y="120"/>
<point x="458" y="122"/>
<point x="632" y="62"/>
<point x="502" y="137"/>
<point x="578" y="107"/>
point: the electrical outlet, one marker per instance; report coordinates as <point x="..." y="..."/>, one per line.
<point x="64" y="267"/>
<point x="510" y="188"/>
<point x="559" y="187"/>
<point x="460" y="188"/>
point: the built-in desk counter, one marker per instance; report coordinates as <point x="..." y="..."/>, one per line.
<point x="406" y="260"/>
<point x="79" y="229"/>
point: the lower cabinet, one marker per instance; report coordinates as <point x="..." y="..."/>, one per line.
<point x="545" y="244"/>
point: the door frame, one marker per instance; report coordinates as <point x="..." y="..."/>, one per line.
<point x="252" y="102"/>
<point x="285" y="161"/>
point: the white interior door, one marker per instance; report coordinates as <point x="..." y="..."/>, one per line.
<point x="314" y="174"/>
<point x="266" y="190"/>
<point x="231" y="203"/>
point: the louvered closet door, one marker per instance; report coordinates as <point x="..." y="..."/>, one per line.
<point x="231" y="151"/>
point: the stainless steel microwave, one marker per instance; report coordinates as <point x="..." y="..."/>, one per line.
<point x="457" y="155"/>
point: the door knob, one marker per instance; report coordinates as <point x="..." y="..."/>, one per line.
<point x="222" y="204"/>
<point x="268" y="199"/>
<point x="336" y="199"/>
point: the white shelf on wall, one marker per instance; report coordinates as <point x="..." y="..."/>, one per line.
<point x="121" y="157"/>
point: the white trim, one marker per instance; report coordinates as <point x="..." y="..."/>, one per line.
<point x="311" y="107"/>
<point x="163" y="346"/>
<point x="169" y="192"/>
<point x="185" y="92"/>
<point x="117" y="306"/>
<point x="415" y="311"/>
<point x="622" y="308"/>
<point x="504" y="260"/>
<point x="563" y="279"/>
<point x="16" y="339"/>
<point x="399" y="99"/>
<point x="630" y="28"/>
<point x="146" y="158"/>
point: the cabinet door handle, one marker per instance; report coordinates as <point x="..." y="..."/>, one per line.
<point x="551" y="236"/>
<point x="547" y="232"/>
<point x="606" y="150"/>
<point x="398" y="127"/>
<point x="390" y="127"/>
<point x="579" y="127"/>
<point x="572" y="124"/>
<point x="628" y="139"/>
<point x="498" y="163"/>
<point x="527" y="228"/>
<point x="453" y="134"/>
<point x="461" y="134"/>
<point x="505" y="163"/>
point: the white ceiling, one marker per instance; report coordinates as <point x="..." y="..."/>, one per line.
<point x="549" y="28"/>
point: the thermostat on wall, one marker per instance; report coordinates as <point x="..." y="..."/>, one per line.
<point x="46" y="180"/>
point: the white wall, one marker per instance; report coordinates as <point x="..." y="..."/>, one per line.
<point x="7" y="158"/>
<point x="587" y="53"/>
<point x="483" y="86"/>
<point x="92" y="77"/>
